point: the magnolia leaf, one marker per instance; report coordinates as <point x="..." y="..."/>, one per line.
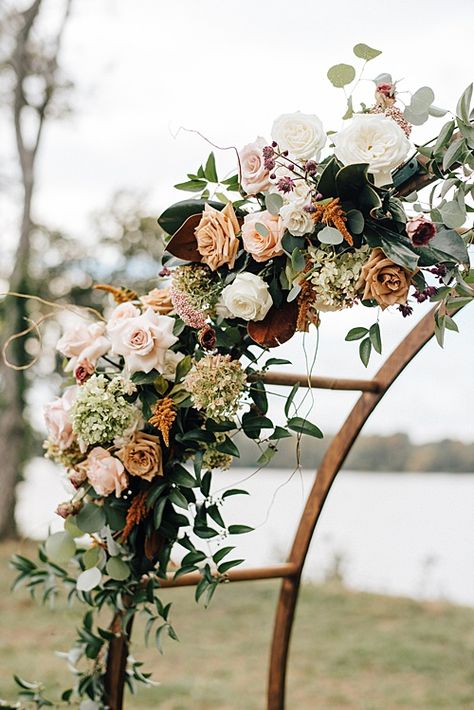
<point x="89" y="579"/>
<point x="363" y="51"/>
<point x="183" y="243"/>
<point x="60" y="547"/>
<point x="341" y="74"/>
<point x="330" y="235"/>
<point x="355" y="221"/>
<point x="277" y="327"/>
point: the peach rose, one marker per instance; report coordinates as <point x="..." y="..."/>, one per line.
<point x="105" y="473"/>
<point x="159" y="299"/>
<point x="83" y="342"/>
<point x="142" y="340"/>
<point x="383" y="280"/>
<point x="216" y="236"/>
<point x="255" y="177"/>
<point x="142" y="456"/>
<point x="261" y="234"/>
<point x="58" y="423"/>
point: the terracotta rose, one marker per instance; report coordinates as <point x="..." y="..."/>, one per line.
<point x="216" y="236"/>
<point x="383" y="280"/>
<point x="142" y="456"/>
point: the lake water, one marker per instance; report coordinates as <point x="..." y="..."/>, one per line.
<point x="406" y="534"/>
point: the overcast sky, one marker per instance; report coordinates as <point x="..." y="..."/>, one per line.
<point x="145" y="69"/>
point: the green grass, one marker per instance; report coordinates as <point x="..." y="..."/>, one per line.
<point x="349" y="650"/>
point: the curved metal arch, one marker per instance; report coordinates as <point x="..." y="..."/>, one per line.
<point x="325" y="476"/>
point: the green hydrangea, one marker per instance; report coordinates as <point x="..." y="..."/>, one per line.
<point x="216" y="384"/>
<point x="334" y="277"/>
<point x="100" y="412"/>
<point x="200" y="286"/>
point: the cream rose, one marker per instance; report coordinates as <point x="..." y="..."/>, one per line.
<point x="216" y="236"/>
<point x="247" y="297"/>
<point x="142" y="456"/>
<point x="383" y="280"/>
<point x="83" y="342"/>
<point x="142" y="340"/>
<point x="159" y="299"/>
<point x="374" y="139"/>
<point x="255" y="177"/>
<point x="261" y="235"/>
<point x="295" y="219"/>
<point x="104" y="472"/>
<point x="58" y="423"/>
<point x="301" y="134"/>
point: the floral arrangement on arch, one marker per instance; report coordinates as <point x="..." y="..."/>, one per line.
<point x="159" y="387"/>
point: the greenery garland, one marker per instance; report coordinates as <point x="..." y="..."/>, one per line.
<point x="159" y="387"/>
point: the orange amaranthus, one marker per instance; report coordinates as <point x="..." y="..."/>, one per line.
<point x="163" y="417"/>
<point x="120" y="293"/>
<point x="332" y="214"/>
<point x="136" y="513"/>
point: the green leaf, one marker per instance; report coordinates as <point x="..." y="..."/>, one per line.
<point x="261" y="229"/>
<point x="214" y="513"/>
<point x="280" y="433"/>
<point x="329" y="235"/>
<point x="455" y="153"/>
<point x="451" y="324"/>
<point x="365" y="348"/>
<point x="444" y="136"/>
<point x="273" y="202"/>
<point x="181" y="476"/>
<point x="289" y="242"/>
<point x="220" y="554"/>
<point x="277" y="361"/>
<point x="453" y="214"/>
<point x="90" y="557"/>
<point x="422" y="99"/>
<point x="71" y="527"/>
<point x="226" y="566"/>
<point x="239" y="529"/>
<point x="464" y="105"/>
<point x="298" y="260"/>
<point x="228" y="447"/>
<point x="355" y="221"/>
<point x="376" y="338"/>
<point x="353" y="185"/>
<point x="356" y="333"/>
<point x="234" y="492"/>
<point x="259" y="396"/>
<point x="212" y="425"/>
<point x="363" y="51"/>
<point x="290" y="399"/>
<point x="327" y="181"/>
<point x="341" y="74"/>
<point x="349" y="110"/>
<point x="183" y="367"/>
<point x="191" y="185"/>
<point x="446" y="246"/>
<point x="89" y="579"/>
<point x="90" y="518"/>
<point x="117" y="569"/>
<point x="253" y="424"/>
<point x="210" y="169"/>
<point x="302" y="426"/>
<point x="266" y="456"/>
<point x="60" y="547"/>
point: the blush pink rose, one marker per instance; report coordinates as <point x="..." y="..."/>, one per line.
<point x="266" y="243"/>
<point x="58" y="423"/>
<point x="105" y="473"/>
<point x="83" y="342"/>
<point x="143" y="340"/>
<point x="255" y="177"/>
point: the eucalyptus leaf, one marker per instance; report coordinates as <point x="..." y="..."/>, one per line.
<point x="363" y="51"/>
<point x="273" y="202"/>
<point x="60" y="547"/>
<point x="330" y="235"/>
<point x="341" y="74"/>
<point x="261" y="229"/>
<point x="117" y="569"/>
<point x="90" y="518"/>
<point x="455" y="153"/>
<point x="89" y="579"/>
<point x="464" y="105"/>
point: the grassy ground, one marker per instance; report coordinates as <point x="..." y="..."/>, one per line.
<point x="350" y="650"/>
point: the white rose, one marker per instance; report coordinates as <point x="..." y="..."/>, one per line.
<point x="295" y="219"/>
<point x="247" y="297"/>
<point x="142" y="340"/>
<point x="84" y="342"/>
<point x="374" y="139"/>
<point x="172" y="360"/>
<point x="301" y="134"/>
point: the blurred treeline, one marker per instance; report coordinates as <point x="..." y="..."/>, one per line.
<point x="371" y="453"/>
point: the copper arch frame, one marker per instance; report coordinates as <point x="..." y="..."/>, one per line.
<point x="290" y="572"/>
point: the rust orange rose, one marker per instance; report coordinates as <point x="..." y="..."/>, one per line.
<point x="159" y="299"/>
<point x="216" y="236"/>
<point x="142" y="456"/>
<point x="384" y="281"/>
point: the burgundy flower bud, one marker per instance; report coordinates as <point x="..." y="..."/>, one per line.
<point x="268" y="151"/>
<point x="272" y="176"/>
<point x="405" y="309"/>
<point x="285" y="153"/>
<point x="311" y="166"/>
<point x="274" y="144"/>
<point x="269" y="164"/>
<point x="207" y="337"/>
<point x="420" y="230"/>
<point x="286" y="184"/>
<point x="77" y="478"/>
<point x="164" y="271"/>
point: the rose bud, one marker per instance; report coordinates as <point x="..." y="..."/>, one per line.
<point x="420" y="230"/>
<point x="207" y="338"/>
<point x="76" y="477"/>
<point x="385" y="94"/>
<point x="68" y="508"/>
<point x="83" y="371"/>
